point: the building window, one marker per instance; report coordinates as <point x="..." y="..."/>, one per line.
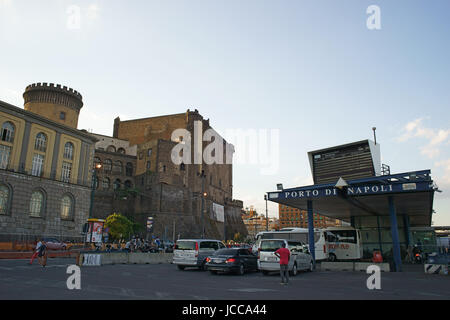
<point x="67" y="207"/>
<point x="62" y="115"/>
<point x="118" y="167"/>
<point x="66" y="171"/>
<point x="4" y="199"/>
<point x="128" y="184"/>
<point x="182" y="167"/>
<point x="36" y="204"/>
<point x="40" y="143"/>
<point x="7" y="133"/>
<point x="105" y="183"/>
<point x="68" y="151"/>
<point x="149" y="152"/>
<point x="37" y="165"/>
<point x="129" y="169"/>
<point x="111" y="149"/>
<point x="121" y="150"/>
<point x="5" y="153"/>
<point x="117" y="184"/>
<point x="107" y="166"/>
<point x="148" y="165"/>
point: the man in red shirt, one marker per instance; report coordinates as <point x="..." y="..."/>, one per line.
<point x="284" y="254"/>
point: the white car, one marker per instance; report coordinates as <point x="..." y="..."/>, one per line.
<point x="193" y="252"/>
<point x="300" y="258"/>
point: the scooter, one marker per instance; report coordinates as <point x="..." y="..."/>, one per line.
<point x="418" y="257"/>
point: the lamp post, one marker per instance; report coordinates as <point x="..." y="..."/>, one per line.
<point x="94" y="182"/>
<point x="204" y="194"/>
<point x="267" y="214"/>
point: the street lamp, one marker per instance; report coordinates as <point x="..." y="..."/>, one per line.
<point x="204" y="195"/>
<point x="97" y="166"/>
<point x="267" y="214"/>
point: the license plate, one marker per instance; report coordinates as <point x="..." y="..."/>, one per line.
<point x="271" y="259"/>
<point x="218" y="261"/>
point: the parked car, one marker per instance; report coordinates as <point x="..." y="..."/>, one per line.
<point x="193" y="252"/>
<point x="236" y="260"/>
<point x="54" y="244"/>
<point x="300" y="258"/>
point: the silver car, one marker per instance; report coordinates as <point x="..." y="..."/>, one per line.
<point x="300" y="258"/>
<point x="193" y="252"/>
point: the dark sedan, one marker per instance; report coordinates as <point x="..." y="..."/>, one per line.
<point x="236" y="260"/>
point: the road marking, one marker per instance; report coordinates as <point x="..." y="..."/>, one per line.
<point x="252" y="290"/>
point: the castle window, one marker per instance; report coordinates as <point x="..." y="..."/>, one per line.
<point x="5" y="197"/>
<point x="62" y="115"/>
<point x="118" y="167"/>
<point x="5" y="152"/>
<point x="66" y="171"/>
<point x="117" y="184"/>
<point x="36" y="204"/>
<point x="107" y="166"/>
<point x="67" y="207"/>
<point x="128" y="184"/>
<point x="7" y="132"/>
<point x="149" y="152"/>
<point x="129" y="169"/>
<point x="37" y="165"/>
<point x="40" y="143"/>
<point x="105" y="183"/>
<point x="149" y="165"/>
<point x="121" y="150"/>
<point x="111" y="149"/>
<point x="182" y="167"/>
<point x="68" y="151"/>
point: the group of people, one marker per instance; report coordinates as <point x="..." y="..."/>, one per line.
<point x="140" y="244"/>
<point x="40" y="252"/>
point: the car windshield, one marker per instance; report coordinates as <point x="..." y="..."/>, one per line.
<point x="185" y="245"/>
<point x="225" y="252"/>
<point x="271" y="245"/>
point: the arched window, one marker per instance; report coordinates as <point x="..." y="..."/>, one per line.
<point x="118" y="167"/>
<point x="117" y="184"/>
<point x="129" y="169"/>
<point x="121" y="150"/>
<point x="40" y="143"/>
<point x="105" y="183"/>
<point x="107" y="165"/>
<point x="5" y="195"/>
<point x="128" y="184"/>
<point x="111" y="149"/>
<point x="36" y="204"/>
<point x="67" y="207"/>
<point x="68" y="151"/>
<point x="7" y="132"/>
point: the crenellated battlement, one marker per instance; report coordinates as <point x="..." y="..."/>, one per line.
<point x="56" y="94"/>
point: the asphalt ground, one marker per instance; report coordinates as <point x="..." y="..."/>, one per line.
<point x="19" y="281"/>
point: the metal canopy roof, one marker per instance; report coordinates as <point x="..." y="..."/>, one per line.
<point x="412" y="192"/>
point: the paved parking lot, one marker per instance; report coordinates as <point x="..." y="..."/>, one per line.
<point x="21" y="281"/>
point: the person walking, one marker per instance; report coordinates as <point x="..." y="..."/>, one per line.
<point x="284" y="254"/>
<point x="42" y="255"/>
<point x="36" y="251"/>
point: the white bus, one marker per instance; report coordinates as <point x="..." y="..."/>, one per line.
<point x="344" y="243"/>
<point x="298" y="234"/>
<point x="333" y="243"/>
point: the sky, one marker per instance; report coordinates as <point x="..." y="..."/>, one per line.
<point x="310" y="73"/>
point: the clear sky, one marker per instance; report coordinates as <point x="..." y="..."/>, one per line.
<point x="311" y="69"/>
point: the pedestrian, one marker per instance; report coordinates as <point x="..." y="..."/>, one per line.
<point x="284" y="254"/>
<point x="128" y="246"/>
<point x="36" y="252"/>
<point x="42" y="255"/>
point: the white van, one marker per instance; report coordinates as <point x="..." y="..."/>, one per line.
<point x="193" y="252"/>
<point x="300" y="258"/>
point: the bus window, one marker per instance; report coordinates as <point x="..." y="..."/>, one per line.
<point x="345" y="236"/>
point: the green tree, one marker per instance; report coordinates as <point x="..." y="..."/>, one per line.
<point x="119" y="226"/>
<point x="238" y="237"/>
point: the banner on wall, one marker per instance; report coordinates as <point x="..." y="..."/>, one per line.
<point x="218" y="212"/>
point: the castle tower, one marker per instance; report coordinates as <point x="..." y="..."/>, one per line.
<point x="59" y="104"/>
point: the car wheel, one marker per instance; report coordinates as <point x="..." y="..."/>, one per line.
<point x="180" y="267"/>
<point x="203" y="266"/>
<point x="332" y="257"/>
<point x="294" y="270"/>
<point x="265" y="272"/>
<point x="241" y="270"/>
<point x="213" y="271"/>
<point x="311" y="267"/>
